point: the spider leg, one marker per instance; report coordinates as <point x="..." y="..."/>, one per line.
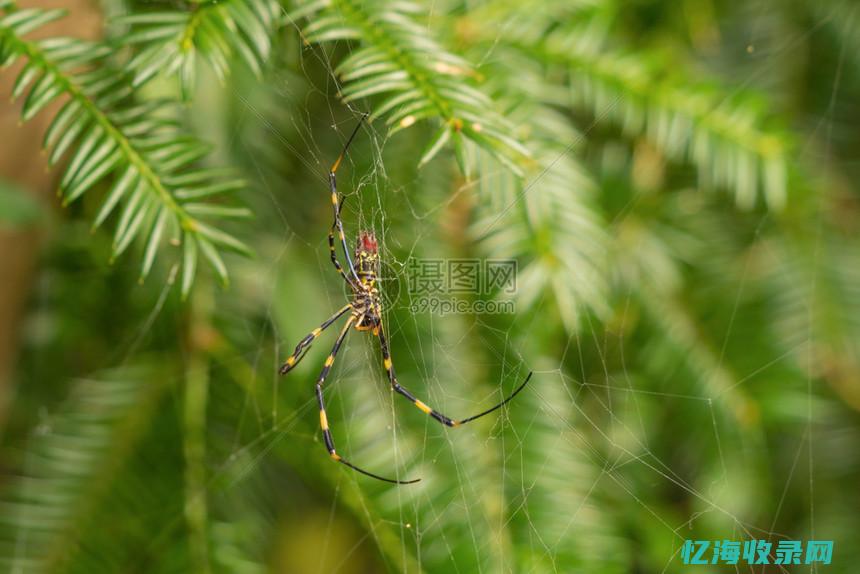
<point x="333" y="252"/>
<point x="332" y="180"/>
<point x="329" y="442"/>
<point x="389" y="369"/>
<point x="306" y="343"/>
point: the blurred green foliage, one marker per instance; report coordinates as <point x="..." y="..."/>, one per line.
<point x="17" y="209"/>
<point x="675" y="179"/>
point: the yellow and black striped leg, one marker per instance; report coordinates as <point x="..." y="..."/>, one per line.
<point x="332" y="180"/>
<point x="392" y="378"/>
<point x="306" y="343"/>
<point x="333" y="252"/>
<point x="327" y="438"/>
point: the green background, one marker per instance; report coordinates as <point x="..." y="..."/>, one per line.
<point x="676" y="181"/>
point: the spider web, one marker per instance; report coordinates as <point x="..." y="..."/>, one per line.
<point x="593" y="429"/>
<point x="555" y="473"/>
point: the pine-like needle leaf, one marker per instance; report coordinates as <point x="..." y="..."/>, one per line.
<point x="134" y="145"/>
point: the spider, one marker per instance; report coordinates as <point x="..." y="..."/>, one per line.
<point x="365" y="314"/>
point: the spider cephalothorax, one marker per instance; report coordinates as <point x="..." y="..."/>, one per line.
<point x="365" y="314"/>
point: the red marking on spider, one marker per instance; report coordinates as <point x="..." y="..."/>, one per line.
<point x="367" y="241"/>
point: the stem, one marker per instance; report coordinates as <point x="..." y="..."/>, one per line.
<point x="194" y="435"/>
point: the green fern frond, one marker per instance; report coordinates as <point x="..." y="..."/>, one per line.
<point x="173" y="42"/>
<point x="816" y="287"/>
<point x="649" y="249"/>
<point x="725" y="135"/>
<point x="722" y="135"/>
<point x="549" y="222"/>
<point x="160" y="193"/>
<point x="71" y="461"/>
<point x="680" y="338"/>
<point x="398" y="58"/>
<point x="558" y="467"/>
<point x="452" y="465"/>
